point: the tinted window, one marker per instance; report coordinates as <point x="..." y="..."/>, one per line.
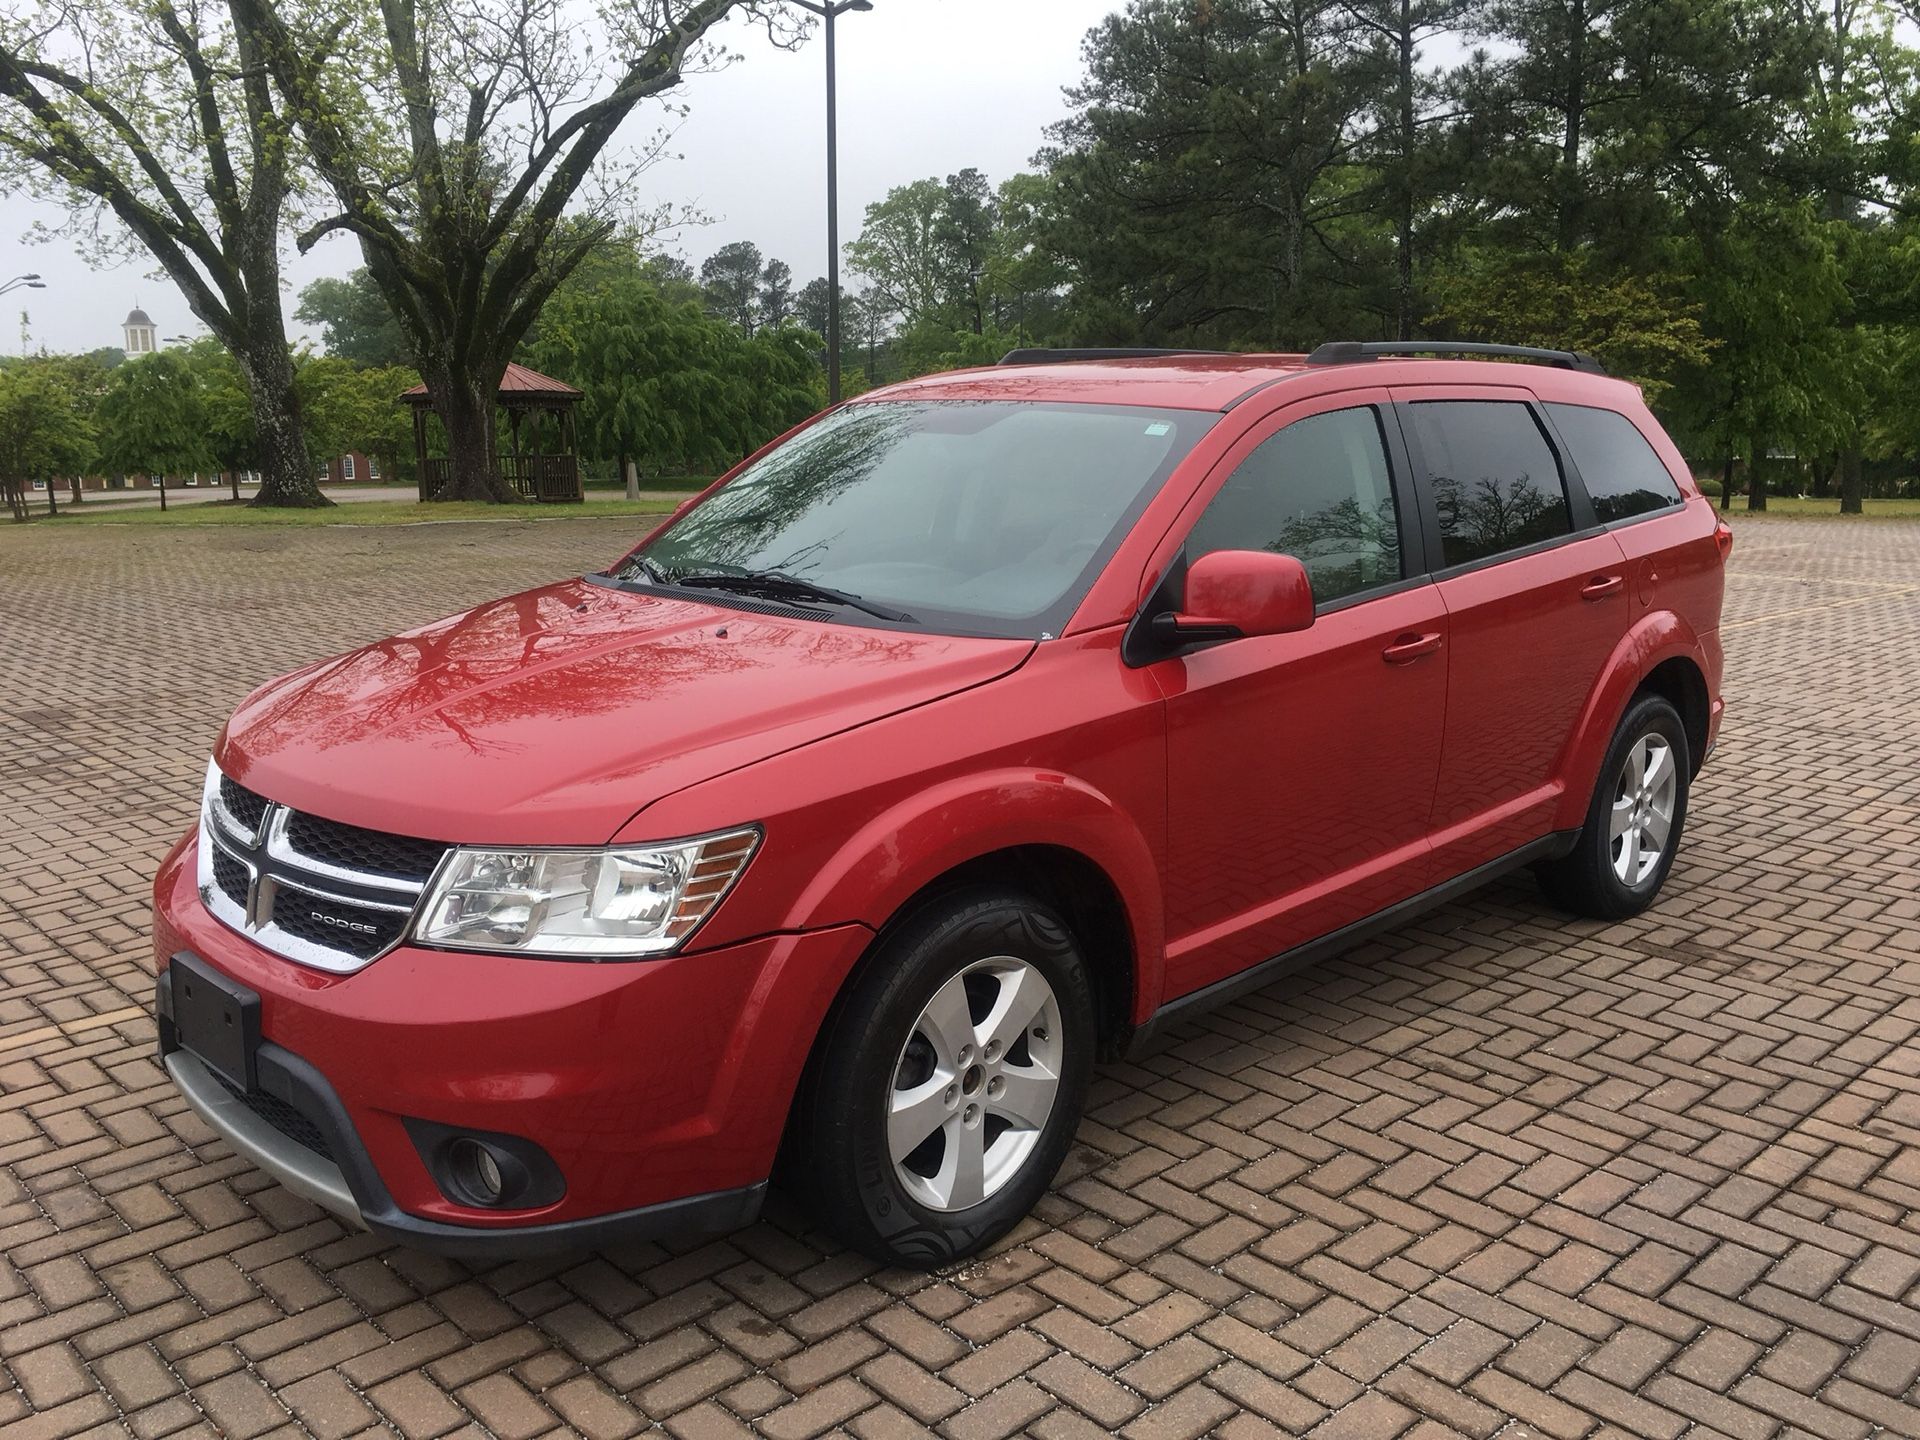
<point x="1319" y="489"/>
<point x="982" y="516"/>
<point x="1622" y="473"/>
<point x="1495" y="479"/>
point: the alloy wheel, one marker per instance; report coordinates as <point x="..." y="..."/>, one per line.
<point x="1642" y="814"/>
<point x="974" y="1084"/>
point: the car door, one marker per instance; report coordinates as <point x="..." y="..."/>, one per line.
<point x="1300" y="767"/>
<point x="1537" y="598"/>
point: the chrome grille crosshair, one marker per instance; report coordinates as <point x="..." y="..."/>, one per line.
<point x="286" y="880"/>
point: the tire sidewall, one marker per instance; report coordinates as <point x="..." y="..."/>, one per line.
<point x="904" y="1229"/>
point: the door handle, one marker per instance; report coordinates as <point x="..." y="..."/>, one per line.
<point x="1409" y="647"/>
<point x="1601" y="586"/>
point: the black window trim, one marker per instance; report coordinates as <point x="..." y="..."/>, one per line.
<point x="1573" y="470"/>
<point x="1580" y="513"/>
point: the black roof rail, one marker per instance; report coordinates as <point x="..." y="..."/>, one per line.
<point x="1041" y="355"/>
<point x="1352" y="352"/>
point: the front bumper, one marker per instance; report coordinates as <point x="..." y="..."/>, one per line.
<point x="658" y="1088"/>
<point x="315" y="1176"/>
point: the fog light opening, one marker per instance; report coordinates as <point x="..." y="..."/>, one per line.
<point x="477" y="1170"/>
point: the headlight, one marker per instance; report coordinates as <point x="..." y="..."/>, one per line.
<point x="588" y="903"/>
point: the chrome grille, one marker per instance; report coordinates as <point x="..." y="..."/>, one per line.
<point x="324" y="894"/>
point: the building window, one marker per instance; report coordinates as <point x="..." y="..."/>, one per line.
<point x="373" y="467"/>
<point x="39" y="484"/>
<point x="346" y="467"/>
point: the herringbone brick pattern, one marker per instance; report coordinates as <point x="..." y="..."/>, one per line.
<point x="1495" y="1174"/>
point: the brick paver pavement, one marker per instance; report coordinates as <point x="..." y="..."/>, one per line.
<point x="1497" y="1173"/>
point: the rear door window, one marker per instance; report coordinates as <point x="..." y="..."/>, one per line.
<point x="1319" y="490"/>
<point x="1623" y="474"/>
<point x="1496" y="480"/>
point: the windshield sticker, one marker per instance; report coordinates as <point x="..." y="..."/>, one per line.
<point x="1159" y="427"/>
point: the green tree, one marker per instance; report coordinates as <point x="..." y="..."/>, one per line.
<point x="901" y="250"/>
<point x="160" y="115"/>
<point x="731" y="279"/>
<point x="153" y="420"/>
<point x="45" y="434"/>
<point x="1209" y="179"/>
<point x="354" y="319"/>
<point x="666" y="386"/>
<point x="232" y="440"/>
<point x="358" y="408"/>
<point x="776" y="293"/>
<point x="458" y="145"/>
<point x="965" y="234"/>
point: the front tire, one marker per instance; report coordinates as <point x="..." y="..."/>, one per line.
<point x="947" y="1088"/>
<point x="1633" y="826"/>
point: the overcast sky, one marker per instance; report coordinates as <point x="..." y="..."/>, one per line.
<point x="927" y="87"/>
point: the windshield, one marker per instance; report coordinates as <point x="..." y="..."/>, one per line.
<point x="985" y="517"/>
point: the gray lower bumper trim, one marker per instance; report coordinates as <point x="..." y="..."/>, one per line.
<point x="306" y="1174"/>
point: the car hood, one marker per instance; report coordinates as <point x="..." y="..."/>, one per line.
<point x="552" y="717"/>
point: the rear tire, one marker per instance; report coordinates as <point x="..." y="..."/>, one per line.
<point x="1634" y="822"/>
<point x="947" y="1088"/>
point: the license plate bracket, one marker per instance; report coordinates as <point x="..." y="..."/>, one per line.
<point x="216" y="1018"/>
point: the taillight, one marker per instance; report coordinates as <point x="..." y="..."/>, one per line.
<point x="1723" y="537"/>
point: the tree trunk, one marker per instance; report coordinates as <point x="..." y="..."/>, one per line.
<point x="74" y="486"/>
<point x="1726" y="485"/>
<point x="1853" y="481"/>
<point x="1756" y="484"/>
<point x="1571" y="195"/>
<point x="1403" y="259"/>
<point x="286" y="474"/>
<point x="233" y="479"/>
<point x="631" y="474"/>
<point x="53" y="488"/>
<point x="464" y="401"/>
<point x="161" y="479"/>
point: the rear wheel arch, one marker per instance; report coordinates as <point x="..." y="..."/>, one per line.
<point x="1659" y="655"/>
<point x="1679" y="681"/>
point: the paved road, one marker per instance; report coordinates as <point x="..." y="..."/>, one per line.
<point x="1495" y="1174"/>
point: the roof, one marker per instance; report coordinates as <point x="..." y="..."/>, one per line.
<point x="137" y="316"/>
<point x="1175" y="382"/>
<point x="1218" y="382"/>
<point x="518" y="380"/>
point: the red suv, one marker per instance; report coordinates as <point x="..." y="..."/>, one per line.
<point x="986" y="725"/>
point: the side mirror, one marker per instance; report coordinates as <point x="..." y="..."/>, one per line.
<point x="1233" y="594"/>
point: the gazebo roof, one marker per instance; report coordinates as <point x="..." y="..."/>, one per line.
<point x="519" y="383"/>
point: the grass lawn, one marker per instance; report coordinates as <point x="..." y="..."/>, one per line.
<point x="363" y="512"/>
<point x="1791" y="507"/>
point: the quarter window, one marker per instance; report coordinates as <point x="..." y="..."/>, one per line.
<point x="1496" y="481"/>
<point x="1319" y="490"/>
<point x="1623" y="474"/>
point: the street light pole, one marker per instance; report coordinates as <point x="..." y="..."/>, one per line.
<point x="31" y="282"/>
<point x="827" y="12"/>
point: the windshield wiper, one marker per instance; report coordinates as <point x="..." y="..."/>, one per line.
<point x="647" y="569"/>
<point x="778" y="583"/>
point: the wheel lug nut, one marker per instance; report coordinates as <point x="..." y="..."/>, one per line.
<point x="995" y="1086"/>
<point x="993" y="1050"/>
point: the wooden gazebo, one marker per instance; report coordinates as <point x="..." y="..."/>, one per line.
<point x="524" y="394"/>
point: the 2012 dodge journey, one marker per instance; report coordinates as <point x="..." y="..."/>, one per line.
<point x="983" y="727"/>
